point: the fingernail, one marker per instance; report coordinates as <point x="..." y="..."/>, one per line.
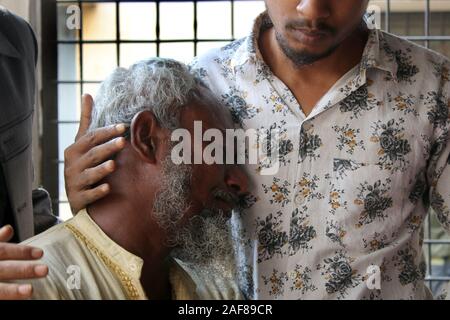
<point x="25" y="289"/>
<point x="105" y="188"/>
<point x="110" y="165"/>
<point x="5" y="228"/>
<point x="120" y="128"/>
<point x="36" y="253"/>
<point x="40" y="269"/>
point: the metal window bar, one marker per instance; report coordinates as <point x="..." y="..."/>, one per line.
<point x="51" y="82"/>
<point x="49" y="101"/>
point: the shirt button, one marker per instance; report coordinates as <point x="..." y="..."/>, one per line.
<point x="133" y="267"/>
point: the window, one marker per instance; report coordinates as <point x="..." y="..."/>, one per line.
<point x="118" y="33"/>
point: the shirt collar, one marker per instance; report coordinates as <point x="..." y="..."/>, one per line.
<point x="128" y="262"/>
<point x="183" y="287"/>
<point x="377" y="53"/>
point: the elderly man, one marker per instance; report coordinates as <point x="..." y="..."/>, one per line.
<point x="162" y="233"/>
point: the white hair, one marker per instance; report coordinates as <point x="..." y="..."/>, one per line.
<point x="159" y="85"/>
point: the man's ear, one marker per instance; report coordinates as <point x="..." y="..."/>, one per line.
<point x="145" y="133"/>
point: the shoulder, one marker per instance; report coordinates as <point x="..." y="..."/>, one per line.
<point x="429" y="64"/>
<point x="212" y="55"/>
<point x="55" y="242"/>
<point x="11" y="18"/>
<point x="58" y="233"/>
<point x="61" y="247"/>
<point x="216" y="58"/>
<point x="19" y="32"/>
<point x="425" y="74"/>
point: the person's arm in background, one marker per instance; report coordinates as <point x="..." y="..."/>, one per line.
<point x="86" y="162"/>
<point x="15" y="263"/>
<point x="84" y="166"/>
<point x="18" y="56"/>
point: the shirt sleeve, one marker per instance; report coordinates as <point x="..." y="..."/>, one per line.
<point x="439" y="163"/>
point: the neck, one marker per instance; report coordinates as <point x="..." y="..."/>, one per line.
<point x="123" y="217"/>
<point x="329" y="69"/>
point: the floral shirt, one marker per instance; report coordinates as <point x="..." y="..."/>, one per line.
<point x="357" y="175"/>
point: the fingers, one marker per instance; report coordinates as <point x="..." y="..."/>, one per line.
<point x="9" y="251"/>
<point x="101" y="153"/>
<point x="15" y="291"/>
<point x="97" y="137"/>
<point x="92" y="176"/>
<point x="85" y="171"/>
<point x="6" y="233"/>
<point x="83" y="198"/>
<point x="85" y="119"/>
<point x="13" y="270"/>
<point x="83" y="165"/>
<point x="91" y="195"/>
<point x="76" y="160"/>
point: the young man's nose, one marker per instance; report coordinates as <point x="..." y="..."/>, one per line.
<point x="313" y="10"/>
<point x="237" y="180"/>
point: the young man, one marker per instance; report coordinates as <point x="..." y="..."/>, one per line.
<point x="365" y="151"/>
<point x="126" y="245"/>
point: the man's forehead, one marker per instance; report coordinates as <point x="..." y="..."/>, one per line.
<point x="210" y="113"/>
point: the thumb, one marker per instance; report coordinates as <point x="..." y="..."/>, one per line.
<point x="86" y="112"/>
<point x="6" y="233"/>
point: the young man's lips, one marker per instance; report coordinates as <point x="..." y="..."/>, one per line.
<point x="309" y="36"/>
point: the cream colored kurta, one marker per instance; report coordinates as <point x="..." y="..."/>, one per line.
<point x="79" y="249"/>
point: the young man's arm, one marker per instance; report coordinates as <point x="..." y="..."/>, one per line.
<point x="438" y="173"/>
<point x="86" y="161"/>
<point x="16" y="262"/>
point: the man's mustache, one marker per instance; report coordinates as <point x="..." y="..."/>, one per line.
<point x="318" y="26"/>
<point x="233" y="200"/>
